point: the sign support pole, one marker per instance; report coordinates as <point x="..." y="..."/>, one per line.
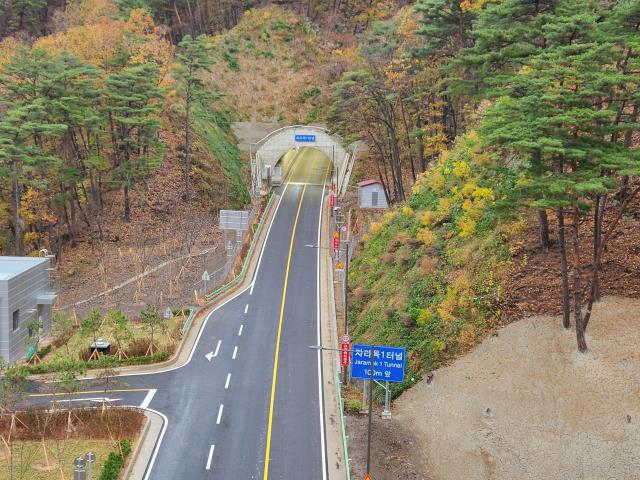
<point x="346" y="305"/>
<point x="371" y="385"/>
<point x="387" y="407"/>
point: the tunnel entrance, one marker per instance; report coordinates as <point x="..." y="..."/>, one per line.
<point x="292" y="153"/>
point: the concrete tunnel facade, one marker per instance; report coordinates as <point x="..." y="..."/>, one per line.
<point x="271" y="149"/>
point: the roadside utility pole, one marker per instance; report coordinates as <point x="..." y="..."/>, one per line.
<point x="346" y="306"/>
<point x="371" y="366"/>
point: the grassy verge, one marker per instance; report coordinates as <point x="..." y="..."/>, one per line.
<point x="429" y="276"/>
<point x="28" y="459"/>
<point x="213" y="131"/>
<point x="72" y="343"/>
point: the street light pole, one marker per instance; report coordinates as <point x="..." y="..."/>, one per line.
<point x="370" y="412"/>
<point x="346" y="306"/>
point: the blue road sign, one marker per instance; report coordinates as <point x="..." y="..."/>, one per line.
<point x="305" y="138"/>
<point x="388" y="363"/>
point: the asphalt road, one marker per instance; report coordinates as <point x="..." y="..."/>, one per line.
<point x="253" y="408"/>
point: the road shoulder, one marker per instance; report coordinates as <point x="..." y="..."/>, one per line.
<point x="337" y="466"/>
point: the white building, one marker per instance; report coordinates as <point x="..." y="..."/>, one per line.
<point x="371" y="195"/>
<point x="26" y="296"/>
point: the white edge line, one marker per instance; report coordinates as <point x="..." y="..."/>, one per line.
<point x="226" y="384"/>
<point x="235" y="350"/>
<point x="240" y="330"/>
<point x="319" y="319"/>
<point x="219" y="414"/>
<point x="147" y="400"/>
<point x="217" y="348"/>
<point x="158" y="443"/>
<point x="211" y="449"/>
<point x="206" y="320"/>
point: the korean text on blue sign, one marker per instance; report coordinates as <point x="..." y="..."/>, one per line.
<point x="388" y="363"/>
<point x="305" y="138"/>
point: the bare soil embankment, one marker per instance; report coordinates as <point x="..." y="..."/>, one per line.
<point x="525" y="404"/>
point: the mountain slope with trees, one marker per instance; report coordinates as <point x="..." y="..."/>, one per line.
<point x="543" y="99"/>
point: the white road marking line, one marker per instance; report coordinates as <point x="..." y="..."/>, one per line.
<point x="165" y="423"/>
<point x="206" y="320"/>
<point x="323" y="446"/>
<point x="215" y="354"/>
<point x="240" y="331"/>
<point x="219" y="414"/>
<point x="147" y="400"/>
<point x="252" y="285"/>
<point x="226" y="384"/>
<point x="235" y="350"/>
<point x="246" y="308"/>
<point x="210" y="456"/>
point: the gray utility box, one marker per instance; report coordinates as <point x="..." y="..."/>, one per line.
<point x="26" y="296"/>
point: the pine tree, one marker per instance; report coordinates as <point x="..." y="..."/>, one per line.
<point x="194" y="58"/>
<point x="22" y="130"/>
<point x="551" y="111"/>
<point x="132" y="103"/>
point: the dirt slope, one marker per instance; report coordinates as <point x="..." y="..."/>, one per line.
<point x="526" y="405"/>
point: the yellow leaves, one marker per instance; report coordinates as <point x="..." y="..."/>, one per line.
<point x="474" y="5"/>
<point x="390" y="215"/>
<point x="468" y="189"/>
<point x="427" y="218"/>
<point x="375" y="228"/>
<point x="461" y="169"/>
<point x="444" y="204"/>
<point x="140" y="22"/>
<point x="467" y="227"/>
<point x="94" y="43"/>
<point x="426" y="236"/>
<point x="407" y="210"/>
<point x="8" y="48"/>
<point x="425" y="316"/>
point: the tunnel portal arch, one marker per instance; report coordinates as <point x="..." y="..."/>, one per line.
<point x="269" y="151"/>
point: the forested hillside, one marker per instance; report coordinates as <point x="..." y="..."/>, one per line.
<point x="483" y="117"/>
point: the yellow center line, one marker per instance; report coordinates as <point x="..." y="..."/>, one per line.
<point x="88" y="392"/>
<point x="277" y="353"/>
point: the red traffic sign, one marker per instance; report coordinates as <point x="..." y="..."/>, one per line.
<point x="336" y="241"/>
<point x="344" y="354"/>
<point x="346" y="338"/>
<point x="332" y="200"/>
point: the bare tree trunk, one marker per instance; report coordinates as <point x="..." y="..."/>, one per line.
<point x="127" y="205"/>
<point x="421" y="157"/>
<point x="17" y="218"/>
<point x="577" y="284"/>
<point x="566" y="306"/>
<point x="543" y="221"/>
<point x="187" y="145"/>
<point x="597" y="236"/>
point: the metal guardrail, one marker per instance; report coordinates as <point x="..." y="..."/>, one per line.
<point x="234" y="280"/>
<point x="344" y="425"/>
<point x="187" y="323"/>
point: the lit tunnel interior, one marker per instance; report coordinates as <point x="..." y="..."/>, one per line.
<point x="306" y="165"/>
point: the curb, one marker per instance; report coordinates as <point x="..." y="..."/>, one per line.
<point x="142" y="453"/>
<point x="198" y="314"/>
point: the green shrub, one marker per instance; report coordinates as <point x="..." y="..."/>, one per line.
<point x="115" y="461"/>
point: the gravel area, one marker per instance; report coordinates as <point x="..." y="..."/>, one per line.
<point x="525" y="404"/>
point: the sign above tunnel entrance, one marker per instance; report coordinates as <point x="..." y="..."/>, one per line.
<point x="305" y="138"/>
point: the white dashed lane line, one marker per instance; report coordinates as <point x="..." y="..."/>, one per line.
<point x="219" y="414"/>
<point x="240" y="330"/>
<point x="235" y="351"/>
<point x="246" y="308"/>
<point x="226" y="384"/>
<point x="211" y="449"/>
